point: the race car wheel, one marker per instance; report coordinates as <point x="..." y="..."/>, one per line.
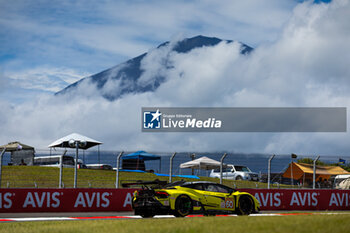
<point x="147" y="215"/>
<point x="239" y="178"/>
<point x="183" y="206"/>
<point x="245" y="205"/>
<point x="209" y="214"/>
<point x="206" y="213"/>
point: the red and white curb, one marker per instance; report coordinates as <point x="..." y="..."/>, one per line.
<point x="139" y="217"/>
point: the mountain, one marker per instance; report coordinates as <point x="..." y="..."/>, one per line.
<point x="128" y="73"/>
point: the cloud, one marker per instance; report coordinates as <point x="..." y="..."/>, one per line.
<point x="305" y="67"/>
<point x="156" y="63"/>
<point x="48" y="79"/>
<point x="202" y="67"/>
<point x="25" y="85"/>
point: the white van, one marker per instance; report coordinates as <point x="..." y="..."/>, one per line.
<point x="235" y="172"/>
<point x="53" y="161"/>
<point x="99" y="166"/>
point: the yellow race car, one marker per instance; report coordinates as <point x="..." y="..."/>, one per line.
<point x="183" y="198"/>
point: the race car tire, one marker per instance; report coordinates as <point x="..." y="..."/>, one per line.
<point x="245" y="205"/>
<point x="147" y="215"/>
<point x="209" y="214"/>
<point x="183" y="206"/>
<point x="239" y="178"/>
<point x="205" y="212"/>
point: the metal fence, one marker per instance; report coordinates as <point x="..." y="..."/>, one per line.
<point x="269" y="169"/>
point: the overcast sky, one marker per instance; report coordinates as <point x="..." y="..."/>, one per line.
<point x="301" y="59"/>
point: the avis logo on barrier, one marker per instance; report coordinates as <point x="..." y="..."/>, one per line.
<point x="338" y="199"/>
<point x="304" y="199"/>
<point x="92" y="200"/>
<point x="152" y="120"/>
<point x="44" y="199"/>
<point x="5" y="200"/>
<point x="269" y="199"/>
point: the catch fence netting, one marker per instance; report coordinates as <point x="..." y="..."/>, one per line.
<point x="98" y="169"/>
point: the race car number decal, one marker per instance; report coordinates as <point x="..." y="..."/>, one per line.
<point x="166" y="203"/>
<point x="229" y="203"/>
<point x="222" y="204"/>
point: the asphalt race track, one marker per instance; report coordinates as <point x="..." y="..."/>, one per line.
<point x="29" y="217"/>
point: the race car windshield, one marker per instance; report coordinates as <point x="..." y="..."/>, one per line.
<point x="211" y="187"/>
<point x="198" y="186"/>
<point x="218" y="188"/>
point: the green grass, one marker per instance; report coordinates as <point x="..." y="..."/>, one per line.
<point x="48" y="177"/>
<point x="286" y="224"/>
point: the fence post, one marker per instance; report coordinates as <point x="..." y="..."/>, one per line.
<point x="269" y="171"/>
<point x="193" y="156"/>
<point x="221" y="165"/>
<point x="117" y="171"/>
<point x="61" y="169"/>
<point x="171" y="167"/>
<point x="76" y="164"/>
<point x="2" y="153"/>
<point x="314" y="175"/>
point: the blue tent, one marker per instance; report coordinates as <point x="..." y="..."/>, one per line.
<point x="140" y="157"/>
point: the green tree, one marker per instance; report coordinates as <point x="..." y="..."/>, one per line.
<point x="346" y="167"/>
<point x="311" y="161"/>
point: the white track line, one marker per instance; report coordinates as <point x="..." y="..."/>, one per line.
<point x="39" y="219"/>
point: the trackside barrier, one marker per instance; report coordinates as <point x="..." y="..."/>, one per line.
<point x="94" y="200"/>
<point x="65" y="200"/>
<point x="301" y="199"/>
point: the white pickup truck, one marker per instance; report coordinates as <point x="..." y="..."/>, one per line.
<point x="235" y="172"/>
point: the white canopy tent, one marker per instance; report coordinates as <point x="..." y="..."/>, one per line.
<point x="76" y="141"/>
<point x="64" y="142"/>
<point x="203" y="163"/>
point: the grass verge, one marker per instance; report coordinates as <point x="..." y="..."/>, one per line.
<point x="48" y="177"/>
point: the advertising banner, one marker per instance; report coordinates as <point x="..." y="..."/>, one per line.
<point x="300" y="199"/>
<point x="94" y="200"/>
<point x="65" y="200"/>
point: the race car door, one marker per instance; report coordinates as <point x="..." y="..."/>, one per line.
<point x="214" y="198"/>
<point x="218" y="197"/>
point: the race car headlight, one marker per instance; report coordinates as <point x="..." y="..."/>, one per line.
<point x="162" y="194"/>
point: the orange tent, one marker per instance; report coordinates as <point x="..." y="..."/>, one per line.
<point x="303" y="171"/>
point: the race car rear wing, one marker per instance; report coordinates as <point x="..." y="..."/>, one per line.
<point x="157" y="183"/>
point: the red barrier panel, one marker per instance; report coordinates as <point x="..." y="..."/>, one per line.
<point x="301" y="199"/>
<point x="65" y="200"/>
<point x="91" y="200"/>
